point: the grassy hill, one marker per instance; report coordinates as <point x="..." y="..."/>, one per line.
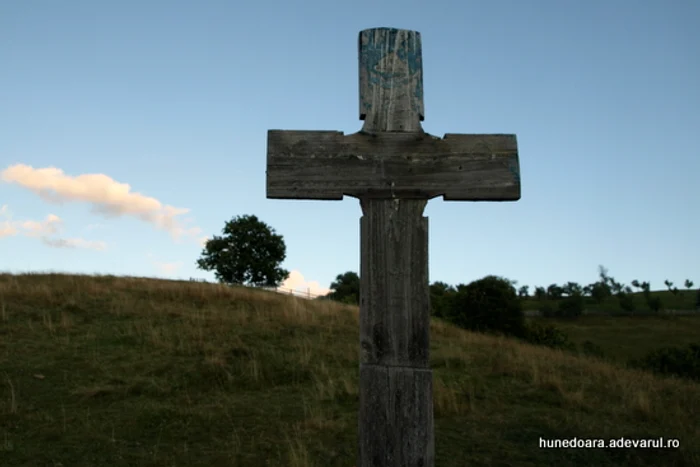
<point x="142" y="372"/>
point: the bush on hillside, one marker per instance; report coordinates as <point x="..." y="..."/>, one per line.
<point x="626" y="302"/>
<point x="441" y="296"/>
<point x="548" y="336"/>
<point x="547" y="310"/>
<point x="600" y="291"/>
<point x="676" y="361"/>
<point x="571" y="307"/>
<point x="491" y="305"/>
<point x="654" y="303"/>
<point x="346" y="288"/>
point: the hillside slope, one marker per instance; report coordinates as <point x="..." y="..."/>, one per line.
<point x="126" y="371"/>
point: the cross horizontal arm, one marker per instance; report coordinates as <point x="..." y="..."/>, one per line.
<point x="327" y="165"/>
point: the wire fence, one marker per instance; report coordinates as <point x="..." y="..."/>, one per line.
<point x="284" y="290"/>
<point x="295" y="292"/>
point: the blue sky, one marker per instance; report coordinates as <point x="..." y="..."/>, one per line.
<point x="130" y="130"/>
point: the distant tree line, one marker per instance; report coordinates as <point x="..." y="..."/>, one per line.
<point x="571" y="296"/>
<point x="566" y="300"/>
<point x="250" y="252"/>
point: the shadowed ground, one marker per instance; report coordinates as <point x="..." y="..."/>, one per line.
<point x="126" y="371"/>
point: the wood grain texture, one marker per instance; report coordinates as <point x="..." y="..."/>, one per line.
<point x="396" y="404"/>
<point x="396" y="417"/>
<point x="394" y="297"/>
<point x="327" y="165"/>
<point x="391" y="80"/>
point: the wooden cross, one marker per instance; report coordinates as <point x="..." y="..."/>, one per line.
<point x="394" y="168"/>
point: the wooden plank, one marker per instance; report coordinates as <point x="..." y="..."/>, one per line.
<point x="391" y="80"/>
<point x="394" y="296"/>
<point x="328" y="165"/>
<point x="396" y="417"/>
<point x="396" y="405"/>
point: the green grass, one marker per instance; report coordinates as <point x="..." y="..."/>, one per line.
<point x="630" y="337"/>
<point x="140" y="372"/>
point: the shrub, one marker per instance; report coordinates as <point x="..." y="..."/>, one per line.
<point x="626" y="302"/>
<point x="490" y="304"/>
<point x="654" y="303"/>
<point x="600" y="291"/>
<point x="441" y="295"/>
<point x="571" y="307"/>
<point x="547" y="310"/>
<point x="548" y="336"/>
<point x="346" y="288"/>
<point x="681" y="362"/>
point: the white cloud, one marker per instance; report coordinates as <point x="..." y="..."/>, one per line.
<point x="7" y="229"/>
<point x="75" y="243"/>
<point x="106" y="196"/>
<point x="297" y="282"/>
<point x="51" y="225"/>
<point x="43" y="230"/>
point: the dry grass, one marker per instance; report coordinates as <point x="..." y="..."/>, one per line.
<point x="104" y="370"/>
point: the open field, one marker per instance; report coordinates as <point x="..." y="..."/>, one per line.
<point x="144" y="372"/>
<point x="631" y="337"/>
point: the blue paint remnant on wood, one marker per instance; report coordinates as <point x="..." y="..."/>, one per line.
<point x="412" y="55"/>
<point x="374" y="52"/>
<point x="377" y="47"/>
<point x="515" y="171"/>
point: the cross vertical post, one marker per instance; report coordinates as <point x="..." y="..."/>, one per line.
<point x="393" y="167"/>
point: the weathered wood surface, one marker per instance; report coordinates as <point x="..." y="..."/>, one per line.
<point x="394" y="168"/>
<point x="395" y="424"/>
<point x="327" y="165"/>
<point x="394" y="324"/>
<point x="391" y="80"/>
<point x="396" y="405"/>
